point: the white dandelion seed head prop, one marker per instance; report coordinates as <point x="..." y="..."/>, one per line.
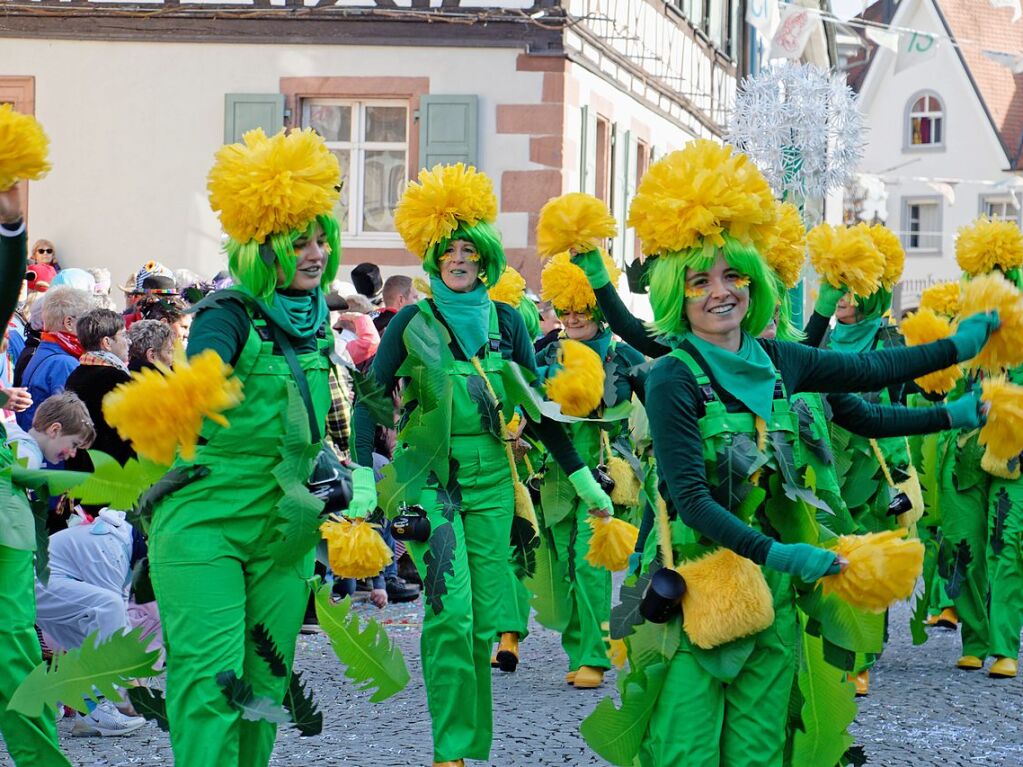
<point x="801" y="126"/>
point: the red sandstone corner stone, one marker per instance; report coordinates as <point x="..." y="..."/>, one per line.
<point x="531" y="119"/>
<point x="526" y="191"/>
<point x="553" y="87"/>
<point x="546" y="150"/>
<point x="527" y="63"/>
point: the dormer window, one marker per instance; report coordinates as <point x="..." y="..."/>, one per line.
<point x="926" y="121"/>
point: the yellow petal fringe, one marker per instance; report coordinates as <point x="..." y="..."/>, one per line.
<point x="510" y="289"/>
<point x="883" y="569"/>
<point x="626" y="490"/>
<point x="162" y="411"/>
<point x="846" y="257"/>
<point x="726" y="598"/>
<point x="355" y="548"/>
<point x="573" y="221"/>
<point x="579" y="385"/>
<point x="1002" y="435"/>
<point x="444" y="197"/>
<point x="565" y="285"/>
<point x="986" y="245"/>
<point x="786" y="252"/>
<point x="1004" y="349"/>
<point x="612" y="543"/>
<point x="24" y="148"/>
<point x="923" y="327"/>
<point x="942" y="298"/>
<point x="887" y="242"/>
<point x="277" y="184"/>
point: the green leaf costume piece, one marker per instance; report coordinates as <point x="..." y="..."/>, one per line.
<point x="299" y="703"/>
<point x="150" y="704"/>
<point x="371" y="659"/>
<point x="252" y="707"/>
<point x="828" y="709"/>
<point x="118" y="486"/>
<point x="617" y="734"/>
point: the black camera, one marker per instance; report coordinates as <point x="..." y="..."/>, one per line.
<point x="604" y="479"/>
<point x="533" y="486"/>
<point x="411" y="524"/>
<point x="333" y="487"/>
<point x="900" y="504"/>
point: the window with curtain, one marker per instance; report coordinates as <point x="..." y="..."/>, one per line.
<point x="926" y="121"/>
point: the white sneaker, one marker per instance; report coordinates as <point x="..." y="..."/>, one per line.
<point x="105" y="720"/>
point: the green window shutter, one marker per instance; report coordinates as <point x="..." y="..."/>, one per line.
<point x="626" y="236"/>
<point x="448" y="130"/>
<point x="246" y="111"/>
<point x="588" y="152"/>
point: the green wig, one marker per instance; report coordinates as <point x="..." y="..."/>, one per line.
<point x="787" y="330"/>
<point x="668" y="286"/>
<point x="530" y="316"/>
<point x="487" y="240"/>
<point x="874" y="306"/>
<point x="255" y="266"/>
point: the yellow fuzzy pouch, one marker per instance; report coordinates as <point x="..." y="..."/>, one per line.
<point x="726" y="598"/>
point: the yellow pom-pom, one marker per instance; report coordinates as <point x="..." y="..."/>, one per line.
<point x="786" y="250"/>
<point x="612" y="543"/>
<point x="510" y="289"/>
<point x="626" y="489"/>
<point x="162" y="411"/>
<point x="355" y="549"/>
<point x="579" y="385"/>
<point x="942" y="298"/>
<point x="24" y="148"/>
<point x="887" y="242"/>
<point x="565" y="285"/>
<point x="696" y="195"/>
<point x="1003" y="432"/>
<point x="422" y="287"/>
<point x="846" y="257"/>
<point x="1004" y="349"/>
<point x="923" y="327"/>
<point x="726" y="598"/>
<point x="573" y="221"/>
<point x="445" y="197"/>
<point x="986" y="245"/>
<point x="883" y="569"/>
<point x="268" y="185"/>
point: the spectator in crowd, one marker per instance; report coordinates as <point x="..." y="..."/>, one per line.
<point x="149" y="342"/>
<point x="102" y="366"/>
<point x="17" y="397"/>
<point x="44" y="252"/>
<point x="168" y="309"/>
<point x="30" y="337"/>
<point x="101" y="288"/>
<point x="357" y="330"/>
<point x="59" y="348"/>
<point x="60" y="427"/>
<point x="550" y="326"/>
<point x="75" y="278"/>
<point x="398" y="292"/>
<point x="152" y="279"/>
<point x="367" y="282"/>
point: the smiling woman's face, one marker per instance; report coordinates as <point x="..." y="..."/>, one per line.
<point x="460" y="266"/>
<point x="717" y="300"/>
<point x="310" y="261"/>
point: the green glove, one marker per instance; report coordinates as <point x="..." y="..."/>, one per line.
<point x="973" y="333"/>
<point x="592" y="264"/>
<point x="967" y="412"/>
<point x="806" y="562"/>
<point x="828" y="298"/>
<point x="364" y="493"/>
<point x="589" y="491"/>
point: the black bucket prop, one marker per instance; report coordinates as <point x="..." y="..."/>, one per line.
<point x="411" y="525"/>
<point x="663" y="597"/>
<point x="900" y="504"/>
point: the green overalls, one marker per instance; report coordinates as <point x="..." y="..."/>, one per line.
<point x="729" y="705"/>
<point x="464" y="564"/>
<point x="227" y="553"/>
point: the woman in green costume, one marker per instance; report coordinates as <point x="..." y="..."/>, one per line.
<point x="31" y="741"/>
<point x="465" y="361"/>
<point x="234" y="528"/>
<point x="583" y="588"/>
<point x="725" y="442"/>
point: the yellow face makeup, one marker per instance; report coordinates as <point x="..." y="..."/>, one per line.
<point x="694" y="294"/>
<point x="742" y="282"/>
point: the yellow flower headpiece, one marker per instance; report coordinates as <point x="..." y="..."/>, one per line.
<point x="986" y="245"/>
<point x="268" y="185"/>
<point x="444" y="197"/>
<point x="565" y="285"/>
<point x="786" y="249"/>
<point x="573" y="220"/>
<point x="887" y="242"/>
<point x="1002" y="435"/>
<point x="923" y="327"/>
<point x="23" y="148"/>
<point x="993" y="292"/>
<point x="942" y="298"/>
<point x="846" y="257"/>
<point x="696" y="195"/>
<point x="510" y="289"/>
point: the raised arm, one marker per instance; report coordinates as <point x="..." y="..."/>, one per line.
<point x="13" y="253"/>
<point x="876" y="421"/>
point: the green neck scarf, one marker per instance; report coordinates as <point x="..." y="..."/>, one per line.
<point x="600" y="343"/>
<point x="856" y="337"/>
<point x="299" y="314"/>
<point x="748" y="375"/>
<point x="467" y="314"/>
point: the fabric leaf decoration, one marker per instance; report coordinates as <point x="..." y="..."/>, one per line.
<point x="253" y="708"/>
<point x="616" y="734"/>
<point x="150" y="704"/>
<point x="119" y="487"/>
<point x="525" y="542"/>
<point x="828" y="709"/>
<point x="549" y="602"/>
<point x="299" y="703"/>
<point x="625" y="615"/>
<point x="440" y="563"/>
<point x="490" y="419"/>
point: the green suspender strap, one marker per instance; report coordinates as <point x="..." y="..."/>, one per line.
<point x="291" y="357"/>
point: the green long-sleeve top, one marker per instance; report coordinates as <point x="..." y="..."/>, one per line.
<point x="13" y="257"/>
<point x="850" y="412"/>
<point x="225" y="329"/>
<point x="515" y="346"/>
<point x="673" y="403"/>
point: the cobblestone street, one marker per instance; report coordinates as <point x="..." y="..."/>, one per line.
<point x="921" y="711"/>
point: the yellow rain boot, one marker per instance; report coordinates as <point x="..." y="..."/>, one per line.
<point x="588" y="677"/>
<point x="970" y="663"/>
<point x="456" y="763"/>
<point x="862" y="683"/>
<point x="949" y="619"/>
<point x="507" y="656"/>
<point x="1003" y="668"/>
<point x="570" y="677"/>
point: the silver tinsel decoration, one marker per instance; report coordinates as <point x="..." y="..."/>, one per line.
<point x="801" y="126"/>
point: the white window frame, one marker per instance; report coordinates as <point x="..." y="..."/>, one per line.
<point x="1000" y="199"/>
<point x="941" y="114"/>
<point x="907" y="203"/>
<point x="352" y="228"/>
